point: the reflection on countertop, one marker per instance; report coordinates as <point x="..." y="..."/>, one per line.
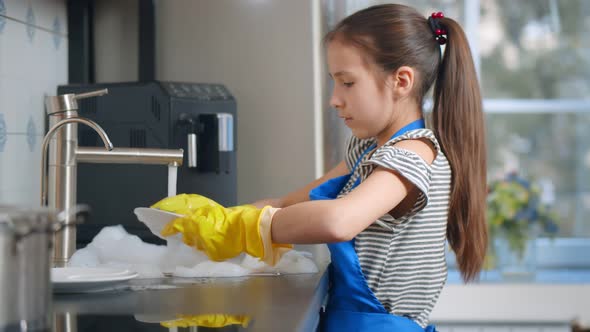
<point x="114" y="323"/>
<point x="255" y="303"/>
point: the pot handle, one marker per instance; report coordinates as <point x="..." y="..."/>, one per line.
<point x="80" y="212"/>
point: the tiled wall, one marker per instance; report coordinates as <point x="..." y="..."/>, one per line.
<point x="33" y="61"/>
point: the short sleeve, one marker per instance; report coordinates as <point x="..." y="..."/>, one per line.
<point x="407" y="164"/>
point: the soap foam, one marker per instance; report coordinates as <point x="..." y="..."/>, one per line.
<point x="114" y="247"/>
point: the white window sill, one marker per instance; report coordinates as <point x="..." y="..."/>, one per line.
<point x="514" y="303"/>
<point x="541" y="276"/>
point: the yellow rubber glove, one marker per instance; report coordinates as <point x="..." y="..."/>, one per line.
<point x="184" y="203"/>
<point x="223" y="233"/>
<point x="213" y="320"/>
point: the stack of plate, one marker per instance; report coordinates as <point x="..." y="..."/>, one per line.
<point x="86" y="279"/>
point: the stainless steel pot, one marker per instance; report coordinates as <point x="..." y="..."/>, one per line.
<point x="26" y="240"/>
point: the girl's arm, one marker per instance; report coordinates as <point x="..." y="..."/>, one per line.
<point x="302" y="194"/>
<point x="342" y="219"/>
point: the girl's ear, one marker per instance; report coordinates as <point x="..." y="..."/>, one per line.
<point x="403" y="81"/>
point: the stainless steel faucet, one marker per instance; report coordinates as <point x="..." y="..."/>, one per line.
<point x="58" y="183"/>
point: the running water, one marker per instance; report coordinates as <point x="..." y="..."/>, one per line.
<point x="172" y="175"/>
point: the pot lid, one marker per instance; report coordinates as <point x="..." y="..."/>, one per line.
<point x="23" y="220"/>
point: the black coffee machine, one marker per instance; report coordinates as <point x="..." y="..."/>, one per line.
<point x="199" y="118"/>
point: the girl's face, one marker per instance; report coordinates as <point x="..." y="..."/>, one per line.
<point x="364" y="102"/>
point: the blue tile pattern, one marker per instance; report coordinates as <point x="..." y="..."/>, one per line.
<point x="33" y="39"/>
<point x="3" y="135"/>
<point x="2" y="14"/>
<point x="56" y="32"/>
<point x="31" y="133"/>
<point x="30" y="23"/>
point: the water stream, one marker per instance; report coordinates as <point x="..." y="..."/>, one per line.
<point x="172" y="179"/>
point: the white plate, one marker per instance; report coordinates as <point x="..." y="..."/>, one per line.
<point x="88" y="279"/>
<point x="154" y="318"/>
<point x="155" y="219"/>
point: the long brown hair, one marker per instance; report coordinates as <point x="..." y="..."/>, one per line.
<point x="394" y="35"/>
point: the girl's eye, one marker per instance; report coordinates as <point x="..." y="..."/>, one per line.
<point x="348" y="84"/>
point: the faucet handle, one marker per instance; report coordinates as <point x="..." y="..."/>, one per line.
<point x="68" y="102"/>
<point x="96" y="93"/>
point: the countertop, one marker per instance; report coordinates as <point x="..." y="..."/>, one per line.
<point x="292" y="302"/>
<point x="273" y="303"/>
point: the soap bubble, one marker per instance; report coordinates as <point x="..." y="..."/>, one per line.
<point x="85" y="257"/>
<point x="296" y="262"/>
<point x="115" y="244"/>
<point x="212" y="269"/>
<point x="114" y="247"/>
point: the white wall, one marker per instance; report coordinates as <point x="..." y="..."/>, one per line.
<point x="263" y="52"/>
<point x="33" y="61"/>
<point x="116" y="40"/>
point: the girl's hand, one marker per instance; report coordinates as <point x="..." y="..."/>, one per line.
<point x="223" y="233"/>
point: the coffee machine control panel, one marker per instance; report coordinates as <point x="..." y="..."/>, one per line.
<point x="200" y="91"/>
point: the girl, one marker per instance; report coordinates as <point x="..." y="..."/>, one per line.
<point x="402" y="191"/>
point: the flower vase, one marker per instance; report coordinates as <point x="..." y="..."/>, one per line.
<point x="516" y="259"/>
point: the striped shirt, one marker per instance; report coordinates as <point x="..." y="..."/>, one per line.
<point x="403" y="259"/>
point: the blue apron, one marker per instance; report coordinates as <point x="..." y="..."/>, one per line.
<point x="352" y="306"/>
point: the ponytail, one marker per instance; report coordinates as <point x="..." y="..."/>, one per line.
<point x="458" y="124"/>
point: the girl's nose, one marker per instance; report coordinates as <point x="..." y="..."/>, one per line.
<point x="336" y="102"/>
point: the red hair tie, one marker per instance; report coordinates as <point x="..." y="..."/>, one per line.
<point x="440" y="34"/>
